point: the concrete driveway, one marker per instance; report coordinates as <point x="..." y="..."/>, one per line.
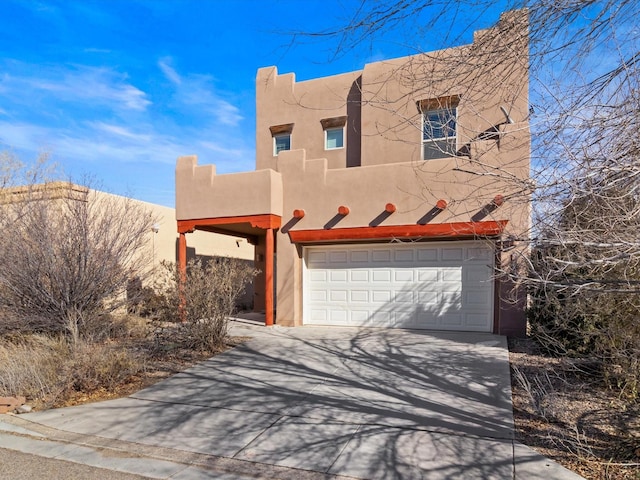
<point x="310" y="403"/>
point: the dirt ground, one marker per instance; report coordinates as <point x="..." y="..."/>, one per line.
<point x="559" y="409"/>
<point x="563" y="412"/>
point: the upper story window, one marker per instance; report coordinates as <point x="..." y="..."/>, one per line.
<point x="281" y="142"/>
<point x="439" y="127"/>
<point x="333" y="138"/>
<point x="333" y="132"/>
<point x="281" y="137"/>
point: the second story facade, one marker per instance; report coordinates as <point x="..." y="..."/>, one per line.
<point x="423" y="157"/>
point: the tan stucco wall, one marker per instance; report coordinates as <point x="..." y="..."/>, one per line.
<point x="280" y="100"/>
<point x="389" y="168"/>
<point x="201" y="193"/>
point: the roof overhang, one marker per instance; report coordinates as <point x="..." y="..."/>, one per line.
<point x="440" y="230"/>
<point x="247" y="226"/>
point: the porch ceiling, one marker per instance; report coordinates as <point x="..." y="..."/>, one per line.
<point x="248" y="226"/>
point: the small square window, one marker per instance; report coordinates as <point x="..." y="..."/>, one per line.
<point x="281" y="142"/>
<point x="334" y="138"/>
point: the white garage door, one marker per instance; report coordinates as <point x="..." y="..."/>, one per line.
<point x="441" y="286"/>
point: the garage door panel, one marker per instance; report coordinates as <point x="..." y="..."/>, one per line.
<point x="404" y="297"/>
<point x="360" y="317"/>
<point x="427" y="297"/>
<point x="337" y="276"/>
<point x="426" y="319"/>
<point x="451" y="298"/>
<point x="359" y="296"/>
<point x="435" y="286"/>
<point x="316" y="258"/>
<point x="318" y="276"/>
<point x="359" y="256"/>
<point x="479" y="253"/>
<point x="450" y="274"/>
<point x="317" y="295"/>
<point x="427" y="255"/>
<point x="403" y="256"/>
<point x="338" y="295"/>
<point x="477" y="274"/>
<point x="452" y="254"/>
<point x="478" y="298"/>
<point x="452" y="321"/>
<point x="430" y="275"/>
<point x="381" y="256"/>
<point x="403" y="276"/>
<point x="381" y="296"/>
<point x="359" y="275"/>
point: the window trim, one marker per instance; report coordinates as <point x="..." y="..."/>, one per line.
<point x="280" y="131"/>
<point x="449" y="105"/>
<point x="277" y="136"/>
<point x="326" y="139"/>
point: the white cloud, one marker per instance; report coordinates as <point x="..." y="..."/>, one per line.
<point x="78" y="84"/>
<point x="169" y="71"/>
<point x="197" y="95"/>
<point x="102" y="142"/>
<point x="120" y="131"/>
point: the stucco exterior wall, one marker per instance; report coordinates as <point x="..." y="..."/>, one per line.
<point x="382" y="162"/>
<point x="281" y="100"/>
<point x="203" y="194"/>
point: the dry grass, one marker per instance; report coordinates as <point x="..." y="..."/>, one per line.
<point x="48" y="370"/>
<point x="122" y="356"/>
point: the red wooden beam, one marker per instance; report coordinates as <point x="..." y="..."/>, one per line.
<point x="263" y="221"/>
<point x="298" y="213"/>
<point x="442" y="230"/>
<point x="343" y="210"/>
<point x="390" y="208"/>
<point x="441" y="204"/>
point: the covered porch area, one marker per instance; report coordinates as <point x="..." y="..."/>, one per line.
<point x="246" y="205"/>
<point x="259" y="230"/>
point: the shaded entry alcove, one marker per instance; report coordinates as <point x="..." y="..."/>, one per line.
<point x="259" y="230"/>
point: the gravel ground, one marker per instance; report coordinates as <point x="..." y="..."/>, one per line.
<point x="564" y="413"/>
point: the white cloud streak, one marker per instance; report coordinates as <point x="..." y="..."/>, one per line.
<point x="100" y="86"/>
<point x="197" y="92"/>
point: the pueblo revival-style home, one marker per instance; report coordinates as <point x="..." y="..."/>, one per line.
<point x="387" y="197"/>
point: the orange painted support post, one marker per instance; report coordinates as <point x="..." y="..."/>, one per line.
<point x="268" y="284"/>
<point x="182" y="276"/>
<point x="343" y="210"/>
<point x="298" y="213"/>
<point x="441" y="204"/>
<point x="498" y="200"/>
<point x="390" y="208"/>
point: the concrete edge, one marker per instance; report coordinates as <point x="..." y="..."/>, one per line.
<point x="531" y="465"/>
<point x="123" y="456"/>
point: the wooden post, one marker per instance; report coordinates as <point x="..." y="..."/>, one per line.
<point x="268" y="284"/>
<point x="182" y="276"/>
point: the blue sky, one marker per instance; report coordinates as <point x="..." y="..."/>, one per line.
<point x="118" y="89"/>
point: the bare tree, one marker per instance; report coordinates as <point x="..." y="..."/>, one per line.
<point x="583" y="61"/>
<point x="67" y="252"/>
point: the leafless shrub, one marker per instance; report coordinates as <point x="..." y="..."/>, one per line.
<point x="66" y="254"/>
<point x="205" y="300"/>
